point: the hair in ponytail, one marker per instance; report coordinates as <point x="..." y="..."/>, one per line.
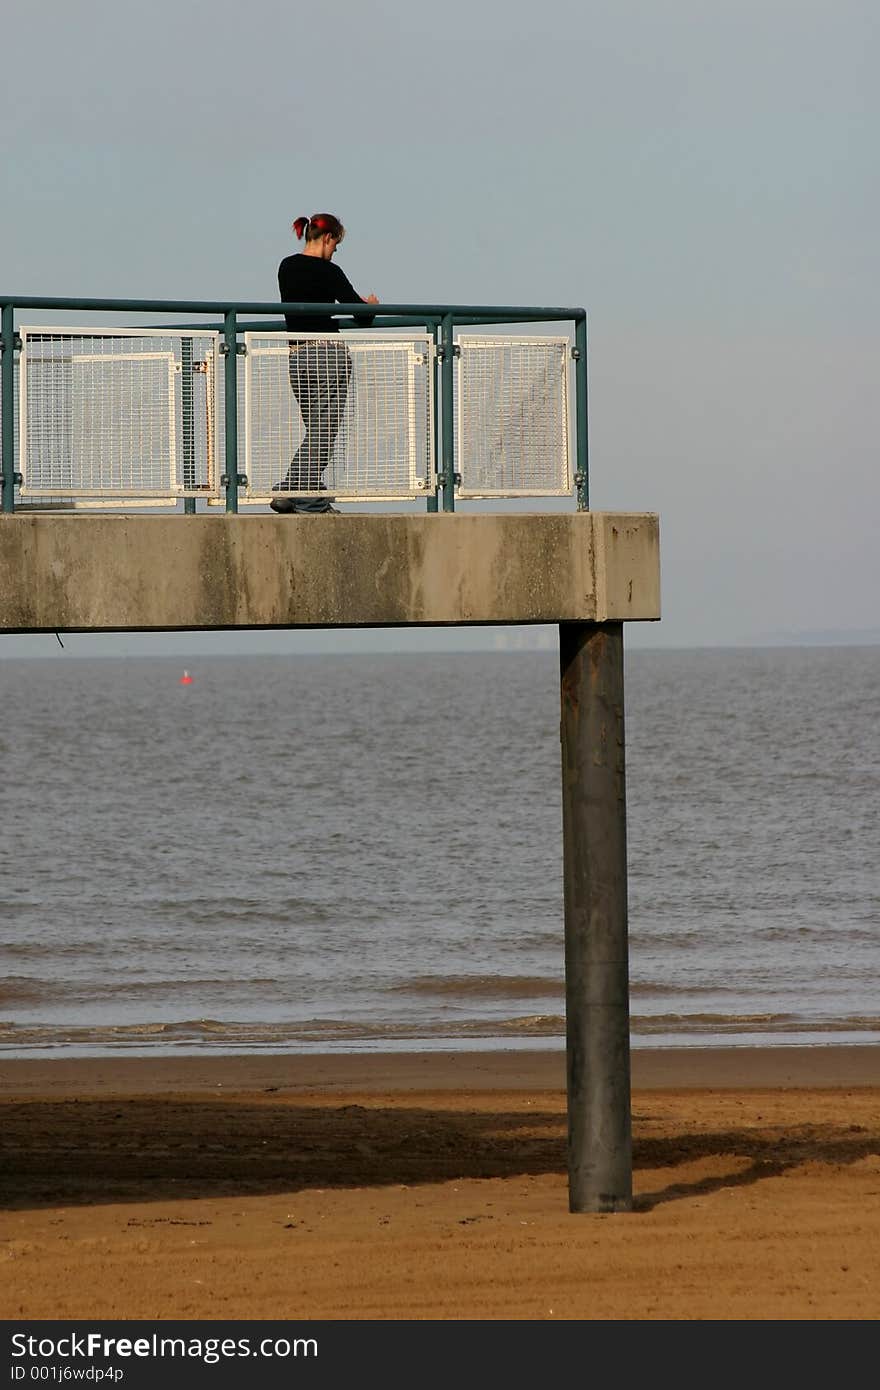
<point x="318" y="225"/>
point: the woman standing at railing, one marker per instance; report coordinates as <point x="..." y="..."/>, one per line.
<point x="319" y="370"/>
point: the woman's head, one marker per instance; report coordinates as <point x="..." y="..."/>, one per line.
<point x="319" y="225"/>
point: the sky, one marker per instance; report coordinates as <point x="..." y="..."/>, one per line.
<point x="700" y="175"/>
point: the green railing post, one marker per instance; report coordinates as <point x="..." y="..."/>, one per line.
<point x="230" y="401"/>
<point x="7" y="405"/>
<point x="188" y="442"/>
<point x="582" y="475"/>
<point x="447" y="396"/>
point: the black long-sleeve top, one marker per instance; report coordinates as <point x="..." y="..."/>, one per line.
<point x="311" y="280"/>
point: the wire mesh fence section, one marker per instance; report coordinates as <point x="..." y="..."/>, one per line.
<point x="346" y="413"/>
<point x="113" y="413"/>
<point x="512" y="412"/>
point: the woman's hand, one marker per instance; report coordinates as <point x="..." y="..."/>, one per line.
<point x="371" y="299"/>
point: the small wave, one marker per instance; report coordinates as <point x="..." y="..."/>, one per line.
<point x="483" y="986"/>
<point x="659" y="991"/>
<point x="230" y="1037"/>
<point x="209" y="1034"/>
<point x="33" y="992"/>
<point x="750" y="1023"/>
<point x="17" y="989"/>
<point x="52" y="951"/>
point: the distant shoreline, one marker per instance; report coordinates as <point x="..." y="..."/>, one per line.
<point x="420" y="642"/>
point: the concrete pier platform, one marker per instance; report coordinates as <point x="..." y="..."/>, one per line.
<point x="84" y="572"/>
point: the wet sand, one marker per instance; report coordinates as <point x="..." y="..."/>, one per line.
<point x="433" y="1186"/>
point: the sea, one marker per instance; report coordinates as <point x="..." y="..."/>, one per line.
<point x="363" y="852"/>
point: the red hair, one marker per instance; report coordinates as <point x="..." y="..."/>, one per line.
<point x="318" y="225"/>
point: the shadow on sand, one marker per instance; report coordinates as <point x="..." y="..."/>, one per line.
<point x="148" y="1149"/>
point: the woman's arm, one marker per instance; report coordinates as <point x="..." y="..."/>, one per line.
<point x="347" y="294"/>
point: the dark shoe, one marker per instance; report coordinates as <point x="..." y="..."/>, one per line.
<point x="286" y="505"/>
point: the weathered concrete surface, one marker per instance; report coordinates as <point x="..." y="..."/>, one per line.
<point x="114" y="573"/>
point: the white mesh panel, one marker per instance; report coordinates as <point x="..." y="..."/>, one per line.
<point x="349" y="413"/>
<point x="512" y="411"/>
<point x="111" y="413"/>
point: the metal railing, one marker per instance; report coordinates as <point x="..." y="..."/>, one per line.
<point x="480" y="397"/>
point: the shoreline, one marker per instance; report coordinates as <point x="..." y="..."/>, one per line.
<point x="822" y="1066"/>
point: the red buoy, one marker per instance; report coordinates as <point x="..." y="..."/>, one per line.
<point x="186" y="678"/>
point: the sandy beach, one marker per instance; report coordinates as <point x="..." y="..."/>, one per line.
<point x="433" y="1186"/>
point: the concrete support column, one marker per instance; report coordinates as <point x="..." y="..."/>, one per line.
<point x="596" y="946"/>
